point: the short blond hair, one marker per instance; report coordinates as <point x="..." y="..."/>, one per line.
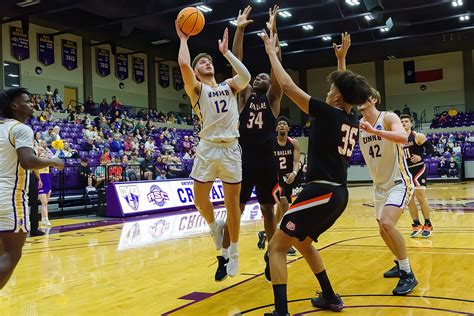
<point x="199" y="57"/>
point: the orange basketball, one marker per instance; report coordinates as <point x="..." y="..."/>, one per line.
<point x="191" y="21"/>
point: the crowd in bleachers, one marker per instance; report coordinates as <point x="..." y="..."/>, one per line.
<point x="114" y="146"/>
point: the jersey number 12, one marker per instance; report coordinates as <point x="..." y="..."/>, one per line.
<point x="222" y="107"/>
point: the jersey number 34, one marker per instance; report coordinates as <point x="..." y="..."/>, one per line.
<point x="348" y="140"/>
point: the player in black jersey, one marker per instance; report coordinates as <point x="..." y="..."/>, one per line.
<point x="333" y="135"/>
<point x="259" y="105"/>
<point x="417" y="148"/>
<point x="287" y="159"/>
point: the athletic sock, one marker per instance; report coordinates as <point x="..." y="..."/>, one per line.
<point x="213" y="226"/>
<point x="233" y="249"/>
<point x="225" y="253"/>
<point x="281" y="303"/>
<point x="417" y="222"/>
<point x="427" y="222"/>
<point x="404" y="265"/>
<point x="326" y="287"/>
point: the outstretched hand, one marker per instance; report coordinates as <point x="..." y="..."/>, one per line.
<point x="269" y="41"/>
<point x="224" y="42"/>
<point x="366" y="126"/>
<point x="341" y="50"/>
<point x="180" y="33"/>
<point x="272" y="15"/>
<point x="243" y="18"/>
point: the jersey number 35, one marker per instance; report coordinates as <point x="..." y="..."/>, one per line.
<point x="349" y="137"/>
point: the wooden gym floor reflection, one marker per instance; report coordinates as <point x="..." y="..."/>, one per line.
<point x="165" y="265"/>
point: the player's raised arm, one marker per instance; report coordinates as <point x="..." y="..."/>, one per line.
<point x="241" y="80"/>
<point x="191" y="84"/>
<point x="395" y="131"/>
<point x="238" y="49"/>
<point x="275" y="93"/>
<point x="341" y="51"/>
<point x="295" y="93"/>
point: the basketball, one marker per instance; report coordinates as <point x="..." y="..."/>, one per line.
<point x="191" y="21"/>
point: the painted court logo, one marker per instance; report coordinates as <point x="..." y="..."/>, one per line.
<point x="131" y="195"/>
<point x="157" y="196"/>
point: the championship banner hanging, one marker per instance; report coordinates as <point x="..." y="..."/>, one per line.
<point x="102" y="62"/>
<point x="20" y="45"/>
<point x="177" y="79"/>
<point x="69" y="54"/>
<point x="121" y="66"/>
<point x="164" y="75"/>
<point x="45" y="44"/>
<point x="138" y="69"/>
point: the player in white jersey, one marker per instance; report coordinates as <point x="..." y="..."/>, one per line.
<point x="16" y="157"/>
<point x="218" y="154"/>
<point x="381" y="138"/>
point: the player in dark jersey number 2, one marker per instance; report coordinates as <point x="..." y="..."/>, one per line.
<point x="333" y="135"/>
<point x="259" y="106"/>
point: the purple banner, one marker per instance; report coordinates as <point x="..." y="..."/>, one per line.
<point x="121" y="66"/>
<point x="177" y="79"/>
<point x="164" y="75"/>
<point x="69" y="54"/>
<point x="20" y="45"/>
<point x="102" y="62"/>
<point x="45" y="49"/>
<point x="138" y="69"/>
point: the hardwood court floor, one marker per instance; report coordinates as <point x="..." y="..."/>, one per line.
<point x="166" y="265"/>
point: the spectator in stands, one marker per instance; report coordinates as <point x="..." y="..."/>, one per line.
<point x="48" y="92"/>
<point x="89" y="132"/>
<point x="72" y="117"/>
<point x="85" y="173"/>
<point x="148" y="168"/>
<point x="57" y="100"/>
<point x="116" y="145"/>
<point x="104" y="106"/>
<point x="140" y="125"/>
<point x="460" y="138"/>
<point x="42" y="117"/>
<point x="87" y="121"/>
<point x="66" y="152"/>
<point x="41" y="103"/>
<point x="406" y="110"/>
<point x="457" y="148"/>
<point x="189" y="120"/>
<point x="171" y="119"/>
<point x="48" y="135"/>
<point x="115" y="170"/>
<point x="161" y="174"/>
<point x="80" y="109"/>
<point x="174" y="134"/>
<point x="130" y="168"/>
<point x="105" y="155"/>
<point x="167" y="149"/>
<point x="141" y="115"/>
<point x="470" y="137"/>
<point x="150" y="145"/>
<point x="443" y="167"/>
<point x="98" y="119"/>
<point x="161" y="117"/>
<point x="89" y="105"/>
<point x="453" y="168"/>
<point x="99" y="174"/>
<point x="116" y="105"/>
<point x="452" y="111"/>
<point x="126" y="120"/>
<point x="186" y="143"/>
<point x="89" y="145"/>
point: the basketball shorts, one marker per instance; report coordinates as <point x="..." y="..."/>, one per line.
<point x="14" y="219"/>
<point x="315" y="210"/>
<point x="419" y="176"/>
<point x="217" y="160"/>
<point x="399" y="195"/>
<point x="264" y="180"/>
<point x="286" y="189"/>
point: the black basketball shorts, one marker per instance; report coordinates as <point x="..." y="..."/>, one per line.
<point x="419" y="176"/>
<point x="265" y="181"/>
<point x="315" y="210"/>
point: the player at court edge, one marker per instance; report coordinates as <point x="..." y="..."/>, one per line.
<point x="259" y="105"/>
<point x="16" y="159"/>
<point x="332" y="137"/>
<point x="218" y="154"/>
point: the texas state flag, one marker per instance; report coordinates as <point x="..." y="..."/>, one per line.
<point x="413" y="76"/>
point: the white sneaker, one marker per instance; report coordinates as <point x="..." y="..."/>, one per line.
<point x="47" y="222"/>
<point x="233" y="266"/>
<point x="218" y="234"/>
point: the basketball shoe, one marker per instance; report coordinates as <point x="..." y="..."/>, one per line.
<point x="393" y="272"/>
<point x="416" y="230"/>
<point x="232" y="266"/>
<point x="291" y="252"/>
<point x="427" y="231"/>
<point x="334" y="303"/>
<point x="406" y="284"/>
<point x="221" y="272"/>
<point x="261" y="240"/>
<point x="267" y="267"/>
